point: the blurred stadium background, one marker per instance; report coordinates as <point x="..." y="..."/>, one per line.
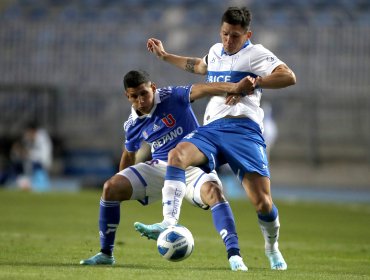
<point x="62" y="62"/>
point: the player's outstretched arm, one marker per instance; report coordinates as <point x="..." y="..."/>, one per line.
<point x="191" y="64"/>
<point x="243" y="87"/>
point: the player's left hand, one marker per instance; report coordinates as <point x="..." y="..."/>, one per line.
<point x="232" y="99"/>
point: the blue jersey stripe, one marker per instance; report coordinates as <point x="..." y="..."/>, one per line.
<point x="228" y="76"/>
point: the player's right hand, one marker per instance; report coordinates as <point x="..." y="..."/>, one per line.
<point x="246" y="86"/>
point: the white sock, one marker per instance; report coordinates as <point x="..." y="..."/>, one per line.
<point x="270" y="232"/>
<point x="173" y="193"/>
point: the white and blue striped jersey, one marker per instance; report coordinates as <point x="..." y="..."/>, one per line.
<point x="252" y="60"/>
<point x="170" y="119"/>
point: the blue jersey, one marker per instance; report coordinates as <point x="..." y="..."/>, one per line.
<point x="169" y="121"/>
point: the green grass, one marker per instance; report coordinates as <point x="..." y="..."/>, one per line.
<point x="44" y="236"/>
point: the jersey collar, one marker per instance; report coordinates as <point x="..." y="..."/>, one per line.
<point x="244" y="46"/>
<point x="156" y="101"/>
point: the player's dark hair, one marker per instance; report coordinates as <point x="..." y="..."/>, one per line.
<point x="238" y="16"/>
<point x="32" y="125"/>
<point x="135" y="78"/>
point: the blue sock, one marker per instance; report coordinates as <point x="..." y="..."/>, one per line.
<point x="224" y="223"/>
<point x="175" y="174"/>
<point x="108" y="223"/>
<point x="270" y="217"/>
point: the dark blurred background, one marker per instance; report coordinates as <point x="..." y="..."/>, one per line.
<point x="62" y="63"/>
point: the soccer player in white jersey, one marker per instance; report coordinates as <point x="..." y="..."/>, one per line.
<point x="231" y="134"/>
<point x="162" y="117"/>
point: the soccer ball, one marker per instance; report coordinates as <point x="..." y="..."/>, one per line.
<point x="175" y="243"/>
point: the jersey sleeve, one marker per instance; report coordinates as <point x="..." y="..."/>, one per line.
<point x="263" y="61"/>
<point x="205" y="59"/>
<point x="133" y="140"/>
<point x="180" y="94"/>
<point x="131" y="146"/>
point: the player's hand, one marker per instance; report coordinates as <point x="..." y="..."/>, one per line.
<point x="155" y="46"/>
<point x="246" y="86"/>
<point x="232" y="99"/>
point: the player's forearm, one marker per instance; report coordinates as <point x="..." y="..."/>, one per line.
<point x="127" y="159"/>
<point x="189" y="64"/>
<point x="281" y="78"/>
<point x="212" y="89"/>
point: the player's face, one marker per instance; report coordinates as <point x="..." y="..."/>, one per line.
<point x="233" y="37"/>
<point x="142" y="97"/>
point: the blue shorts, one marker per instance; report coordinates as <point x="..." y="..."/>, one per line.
<point x="236" y="141"/>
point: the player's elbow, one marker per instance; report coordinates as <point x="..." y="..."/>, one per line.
<point x="292" y="80"/>
<point x="288" y="77"/>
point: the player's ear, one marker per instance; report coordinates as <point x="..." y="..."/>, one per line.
<point x="153" y="86"/>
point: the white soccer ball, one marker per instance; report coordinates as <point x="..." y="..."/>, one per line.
<point x="176" y="243"/>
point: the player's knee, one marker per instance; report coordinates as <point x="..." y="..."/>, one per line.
<point x="211" y="193"/>
<point x="176" y="158"/>
<point x="117" y="188"/>
<point x="264" y="205"/>
<point x="108" y="190"/>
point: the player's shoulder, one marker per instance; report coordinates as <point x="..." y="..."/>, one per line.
<point x="165" y="92"/>
<point x="216" y="48"/>
<point x="172" y="91"/>
<point x="258" y="49"/>
<point x="129" y="123"/>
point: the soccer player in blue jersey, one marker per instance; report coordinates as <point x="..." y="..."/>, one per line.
<point x="162" y="117"/>
<point x="231" y="134"/>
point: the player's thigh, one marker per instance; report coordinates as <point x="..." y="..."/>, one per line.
<point x="195" y="180"/>
<point x="147" y="180"/>
<point x="246" y="156"/>
<point x="186" y="154"/>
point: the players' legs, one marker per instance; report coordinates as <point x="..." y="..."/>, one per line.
<point x="116" y="189"/>
<point x="185" y="154"/>
<point x="259" y="193"/>
<point x="223" y="219"/>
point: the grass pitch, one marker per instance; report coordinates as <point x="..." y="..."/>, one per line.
<point x="44" y="236"/>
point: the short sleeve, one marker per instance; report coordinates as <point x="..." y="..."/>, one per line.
<point x="263" y="61"/>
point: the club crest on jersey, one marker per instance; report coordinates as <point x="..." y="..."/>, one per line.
<point x="169" y="120"/>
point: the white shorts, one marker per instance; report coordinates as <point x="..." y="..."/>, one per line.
<point x="147" y="181"/>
